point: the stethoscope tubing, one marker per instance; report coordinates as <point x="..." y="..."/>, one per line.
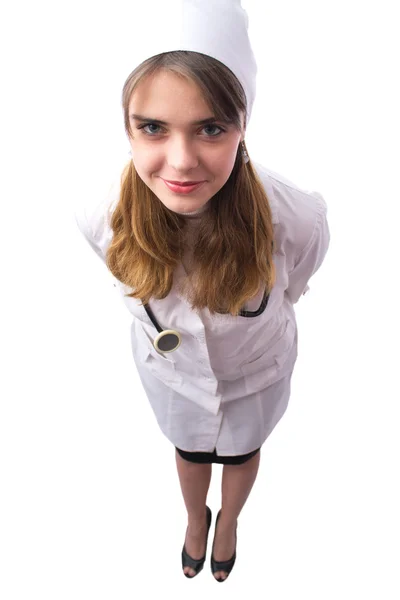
<point x="173" y="337"/>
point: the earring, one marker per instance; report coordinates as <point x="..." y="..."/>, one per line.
<point x="244" y="154"/>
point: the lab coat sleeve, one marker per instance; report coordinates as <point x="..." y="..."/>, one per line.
<point x="83" y="225"/>
<point x="94" y="219"/>
<point x="311" y="257"/>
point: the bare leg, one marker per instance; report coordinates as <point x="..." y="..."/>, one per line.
<point x="237" y="482"/>
<point x="195" y="480"/>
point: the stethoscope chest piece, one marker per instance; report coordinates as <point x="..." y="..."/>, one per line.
<point x="167" y="341"/>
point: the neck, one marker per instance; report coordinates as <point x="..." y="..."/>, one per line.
<point x="195" y="212"/>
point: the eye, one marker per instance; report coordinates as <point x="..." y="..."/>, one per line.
<point x="215" y="127"/>
<point x="148" y="125"/>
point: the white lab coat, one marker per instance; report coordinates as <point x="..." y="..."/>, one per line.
<point x="228" y="384"/>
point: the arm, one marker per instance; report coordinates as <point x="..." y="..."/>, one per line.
<point x="311" y="257"/>
<point x="83" y="224"/>
<point x="93" y="219"/>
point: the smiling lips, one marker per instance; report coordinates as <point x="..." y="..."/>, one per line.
<point x="183" y="188"/>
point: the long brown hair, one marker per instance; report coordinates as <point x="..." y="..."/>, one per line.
<point x="233" y="251"/>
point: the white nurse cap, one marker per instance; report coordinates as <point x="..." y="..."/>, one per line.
<point x="218" y="28"/>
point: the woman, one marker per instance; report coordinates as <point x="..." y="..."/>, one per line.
<point x="210" y="253"/>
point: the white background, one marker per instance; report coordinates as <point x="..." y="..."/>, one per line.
<point x="90" y="503"/>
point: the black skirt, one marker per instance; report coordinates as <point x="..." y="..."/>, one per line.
<point x="212" y="457"/>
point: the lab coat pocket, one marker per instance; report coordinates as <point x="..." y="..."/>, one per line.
<point x="162" y="366"/>
<point x="273" y="358"/>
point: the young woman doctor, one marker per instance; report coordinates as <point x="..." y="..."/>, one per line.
<point x="210" y="252"/>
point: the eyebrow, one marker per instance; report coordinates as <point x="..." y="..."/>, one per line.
<point x="211" y="119"/>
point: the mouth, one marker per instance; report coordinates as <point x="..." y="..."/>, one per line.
<point x="183" y="183"/>
<point x="185" y="187"/>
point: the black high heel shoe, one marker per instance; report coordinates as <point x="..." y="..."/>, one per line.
<point x="223" y="565"/>
<point x="188" y="561"/>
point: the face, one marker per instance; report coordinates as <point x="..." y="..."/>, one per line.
<point x="180" y="150"/>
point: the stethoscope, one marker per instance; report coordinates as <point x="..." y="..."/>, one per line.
<point x="169" y="340"/>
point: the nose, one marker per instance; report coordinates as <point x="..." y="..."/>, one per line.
<point x="182" y="155"/>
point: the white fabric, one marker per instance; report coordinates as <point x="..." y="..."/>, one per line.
<point x="228" y="384"/>
<point x="218" y="28"/>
